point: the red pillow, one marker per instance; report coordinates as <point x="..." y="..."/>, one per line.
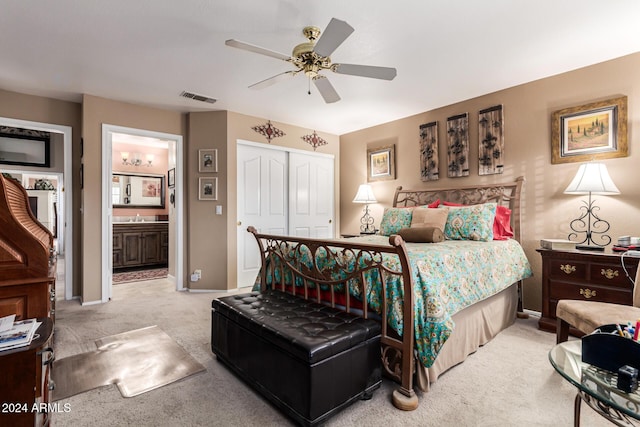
<point x="434" y="204"/>
<point x="501" y="224"/>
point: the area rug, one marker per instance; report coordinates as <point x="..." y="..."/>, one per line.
<point x="139" y="276"/>
<point x="136" y="361"/>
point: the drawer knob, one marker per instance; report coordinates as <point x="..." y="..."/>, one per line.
<point x="587" y="293"/>
<point x="609" y="273"/>
<point x="568" y="268"/>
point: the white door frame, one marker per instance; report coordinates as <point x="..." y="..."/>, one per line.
<point x="107" y="211"/>
<point x="67" y="190"/>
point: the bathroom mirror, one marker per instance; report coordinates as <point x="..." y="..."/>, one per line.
<point x="137" y="191"/>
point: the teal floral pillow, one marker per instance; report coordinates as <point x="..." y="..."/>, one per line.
<point x="473" y="222"/>
<point x="394" y="220"/>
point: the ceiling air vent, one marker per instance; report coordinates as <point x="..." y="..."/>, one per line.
<point x="195" y="97"/>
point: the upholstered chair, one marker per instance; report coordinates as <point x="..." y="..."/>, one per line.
<point x="587" y="316"/>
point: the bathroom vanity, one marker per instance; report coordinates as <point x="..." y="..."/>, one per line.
<point x="140" y="244"/>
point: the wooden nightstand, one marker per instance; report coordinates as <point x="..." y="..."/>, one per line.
<point x="593" y="276"/>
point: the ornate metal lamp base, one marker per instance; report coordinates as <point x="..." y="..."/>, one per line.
<point x="366" y="222"/>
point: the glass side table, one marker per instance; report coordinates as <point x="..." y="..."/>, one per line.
<point x="596" y="387"/>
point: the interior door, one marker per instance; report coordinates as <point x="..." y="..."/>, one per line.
<point x="311" y="196"/>
<point x="262" y="203"/>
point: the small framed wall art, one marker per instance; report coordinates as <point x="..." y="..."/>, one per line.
<point x="381" y="163"/>
<point x="208" y="188"/>
<point x="592" y="131"/>
<point x="171" y="178"/>
<point x="208" y="160"/>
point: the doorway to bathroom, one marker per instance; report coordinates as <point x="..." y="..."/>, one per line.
<point x="143" y="220"/>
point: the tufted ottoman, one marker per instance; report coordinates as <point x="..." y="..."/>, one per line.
<point x="310" y="360"/>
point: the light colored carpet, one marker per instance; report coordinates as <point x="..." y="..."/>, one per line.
<point x="508" y="382"/>
<point x="136" y="361"/>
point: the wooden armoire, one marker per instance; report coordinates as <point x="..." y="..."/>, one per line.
<point x="27" y="289"/>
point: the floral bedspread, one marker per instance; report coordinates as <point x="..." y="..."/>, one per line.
<point x="448" y="277"/>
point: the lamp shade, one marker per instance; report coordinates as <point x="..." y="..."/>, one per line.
<point x="592" y="178"/>
<point x="365" y="195"/>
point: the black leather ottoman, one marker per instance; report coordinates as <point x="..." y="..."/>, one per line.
<point x="310" y="360"/>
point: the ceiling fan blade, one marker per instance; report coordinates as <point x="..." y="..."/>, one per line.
<point x="336" y="32"/>
<point x="273" y="80"/>
<point x="256" y="49"/>
<point x="384" y="73"/>
<point x="326" y="89"/>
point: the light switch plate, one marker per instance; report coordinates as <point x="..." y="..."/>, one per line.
<point x="219" y="210"/>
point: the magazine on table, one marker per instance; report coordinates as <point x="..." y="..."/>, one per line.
<point x="19" y="334"/>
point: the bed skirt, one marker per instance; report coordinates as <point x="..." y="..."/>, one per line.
<point x="475" y="326"/>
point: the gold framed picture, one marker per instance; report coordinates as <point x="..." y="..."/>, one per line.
<point x="592" y="131"/>
<point x="381" y="163"/>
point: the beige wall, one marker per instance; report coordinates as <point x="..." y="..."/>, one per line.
<point x="52" y="111"/>
<point x="212" y="246"/>
<point x="527" y="111"/>
<point x="96" y="112"/>
<point x="207" y="231"/>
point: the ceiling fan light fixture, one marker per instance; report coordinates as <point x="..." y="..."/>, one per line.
<point x="313" y="56"/>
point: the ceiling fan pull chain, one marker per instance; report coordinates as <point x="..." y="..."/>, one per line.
<point x="309" y="86"/>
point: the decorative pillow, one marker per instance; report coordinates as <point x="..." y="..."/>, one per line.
<point x="395" y="219"/>
<point x="426" y="217"/>
<point x="473" y="222"/>
<point x="422" y="235"/>
<point x="502" y="224"/>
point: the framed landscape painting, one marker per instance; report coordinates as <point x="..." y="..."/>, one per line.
<point x="590" y="132"/>
<point x="381" y="163"/>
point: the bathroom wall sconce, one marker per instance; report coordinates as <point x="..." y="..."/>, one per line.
<point x="135" y="159"/>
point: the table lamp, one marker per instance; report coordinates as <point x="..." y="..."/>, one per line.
<point x="365" y="195"/>
<point x="592" y="178"/>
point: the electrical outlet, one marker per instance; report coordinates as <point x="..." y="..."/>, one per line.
<point x="198" y="273"/>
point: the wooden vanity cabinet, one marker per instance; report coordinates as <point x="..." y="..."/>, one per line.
<point x="140" y="244"/>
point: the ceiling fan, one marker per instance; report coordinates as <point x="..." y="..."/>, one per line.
<point x="312" y="57"/>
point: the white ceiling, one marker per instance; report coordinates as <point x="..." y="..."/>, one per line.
<point x="149" y="51"/>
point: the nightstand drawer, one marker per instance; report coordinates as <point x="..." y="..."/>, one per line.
<point x="568" y="269"/>
<point x="609" y="274"/>
<point x="588" y="292"/>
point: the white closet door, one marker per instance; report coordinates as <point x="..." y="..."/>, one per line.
<point x="262" y="203"/>
<point x="310" y="196"/>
